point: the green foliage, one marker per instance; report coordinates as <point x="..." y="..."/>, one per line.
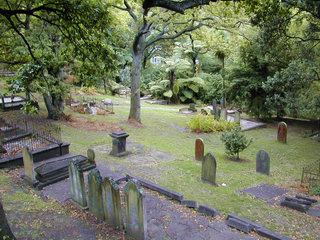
<point x="189" y="88"/>
<point x="29" y="109"/>
<point x="315" y="189"/>
<point x="213" y="88"/>
<point x="207" y="124"/>
<point x="235" y="142"/>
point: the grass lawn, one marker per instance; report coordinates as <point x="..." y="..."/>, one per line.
<point x="163" y="131"/>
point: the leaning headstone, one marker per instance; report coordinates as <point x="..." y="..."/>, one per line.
<point x="77" y="187"/>
<point x="237" y="117"/>
<point x="91" y="156"/>
<point x="112" y="203"/>
<point x="5" y="231"/>
<point x="209" y="168"/>
<point x="29" y="174"/>
<point x="223" y="114"/>
<point x="263" y="162"/>
<point x="95" y="194"/>
<point x="119" y="143"/>
<point x="136" y="224"/>
<point x="282" y="132"/>
<point x="199" y="149"/>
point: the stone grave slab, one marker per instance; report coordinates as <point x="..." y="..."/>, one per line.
<point x="269" y="193"/>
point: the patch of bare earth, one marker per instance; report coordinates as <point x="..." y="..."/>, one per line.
<point x="91" y="125"/>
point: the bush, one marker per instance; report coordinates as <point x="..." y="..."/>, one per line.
<point x="207" y="124"/>
<point x="235" y="142"/>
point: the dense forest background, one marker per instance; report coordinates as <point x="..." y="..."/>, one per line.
<point x="261" y="56"/>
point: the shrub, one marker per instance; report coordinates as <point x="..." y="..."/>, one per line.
<point x="207" y="124"/>
<point x="235" y="142"/>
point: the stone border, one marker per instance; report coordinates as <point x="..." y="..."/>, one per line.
<point x="211" y="212"/>
<point x="244" y="225"/>
<point x="152" y="186"/>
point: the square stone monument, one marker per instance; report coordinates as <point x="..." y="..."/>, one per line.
<point x="119" y="143"/>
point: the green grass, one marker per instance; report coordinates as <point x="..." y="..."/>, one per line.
<point x="162" y="130"/>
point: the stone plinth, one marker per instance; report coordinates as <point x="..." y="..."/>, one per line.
<point x="119" y="144"/>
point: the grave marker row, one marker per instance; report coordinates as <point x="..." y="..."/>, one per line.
<point x="104" y="201"/>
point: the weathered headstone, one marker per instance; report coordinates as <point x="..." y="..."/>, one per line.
<point x="282" y="132"/>
<point x="77" y="187"/>
<point x="2" y="149"/>
<point x="135" y="219"/>
<point x="209" y="168"/>
<point x="214" y="105"/>
<point x="199" y="149"/>
<point x="263" y="162"/>
<point x="29" y="174"/>
<point x="119" y="143"/>
<point x="237" y="117"/>
<point x="95" y="194"/>
<point x="5" y="231"/>
<point x="91" y="156"/>
<point x="223" y="114"/>
<point x="112" y="203"/>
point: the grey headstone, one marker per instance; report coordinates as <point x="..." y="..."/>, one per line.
<point x="77" y="187"/>
<point x="119" y="143"/>
<point x="217" y="114"/>
<point x="237" y="117"/>
<point x="263" y="162"/>
<point x="29" y="174"/>
<point x="95" y="194"/>
<point x="136" y="224"/>
<point x="209" y="168"/>
<point x="223" y="114"/>
<point x="91" y="155"/>
<point x="112" y="203"/>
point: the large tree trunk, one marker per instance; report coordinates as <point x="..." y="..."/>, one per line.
<point x="137" y="64"/>
<point x="5" y="231"/>
<point x="54" y="106"/>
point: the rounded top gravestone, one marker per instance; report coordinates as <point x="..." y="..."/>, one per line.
<point x="282" y="132"/>
<point x="263" y="162"/>
<point x="199" y="149"/>
<point x="91" y="155"/>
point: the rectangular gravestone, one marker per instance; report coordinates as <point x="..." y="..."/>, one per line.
<point x="199" y="149"/>
<point x="237" y="118"/>
<point x="282" y="132"/>
<point x="112" y="203"/>
<point x="136" y="224"/>
<point x="209" y="168"/>
<point x="77" y="186"/>
<point x="263" y="162"/>
<point x="95" y="194"/>
<point x="223" y="114"/>
<point x="29" y="174"/>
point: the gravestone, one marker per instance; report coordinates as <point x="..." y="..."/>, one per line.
<point x="237" y="117"/>
<point x="95" y="194"/>
<point x="5" y="231"/>
<point x="112" y="203"/>
<point x="282" y="132"/>
<point x="217" y="114"/>
<point x="119" y="143"/>
<point x="77" y="187"/>
<point x="29" y="174"/>
<point x="223" y="114"/>
<point x="214" y="105"/>
<point x="263" y="162"/>
<point x="135" y="220"/>
<point x="209" y="168"/>
<point x="192" y="107"/>
<point x="91" y="156"/>
<point x="2" y="149"/>
<point x="199" y="149"/>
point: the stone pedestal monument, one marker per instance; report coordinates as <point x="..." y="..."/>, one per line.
<point x="119" y="143"/>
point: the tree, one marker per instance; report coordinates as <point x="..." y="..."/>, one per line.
<point x="5" y="231"/>
<point x="154" y="21"/>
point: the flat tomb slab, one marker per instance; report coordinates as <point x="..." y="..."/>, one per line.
<point x="266" y="192"/>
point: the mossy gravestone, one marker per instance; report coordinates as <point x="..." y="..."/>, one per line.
<point x="95" y="194"/>
<point x="209" y="168"/>
<point x="5" y="231"/>
<point x="135" y="220"/>
<point x="112" y="203"/>
<point x="78" y="192"/>
<point x="29" y="174"/>
<point x="263" y="162"/>
<point x="237" y="117"/>
<point x="199" y="149"/>
<point x="91" y="156"/>
<point x="282" y="132"/>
